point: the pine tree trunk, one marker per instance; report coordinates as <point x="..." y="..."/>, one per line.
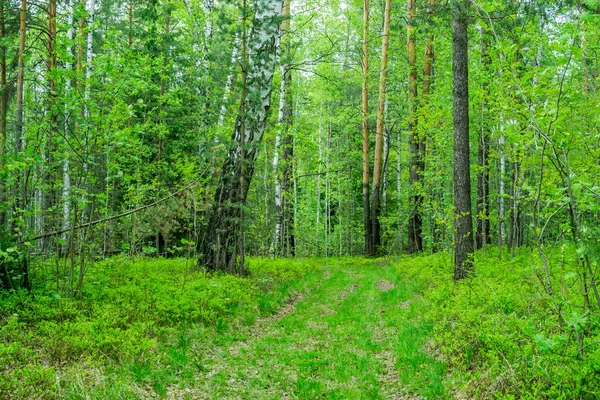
<point x="365" y="134"/>
<point x="463" y="223"/>
<point x="3" y="113"/>
<point x="378" y="162"/>
<point x="415" y="220"/>
<point x="219" y="246"/>
<point x="483" y="175"/>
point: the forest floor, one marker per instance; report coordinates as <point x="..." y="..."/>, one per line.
<point x="355" y="333"/>
<point x="350" y="328"/>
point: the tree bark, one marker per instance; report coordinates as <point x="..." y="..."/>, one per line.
<point x="463" y="223"/>
<point x="280" y="241"/>
<point x="483" y="175"/>
<point x="20" y="78"/>
<point x="369" y="250"/>
<point x="48" y="195"/>
<point x="415" y="220"/>
<point x="3" y="112"/>
<point x="66" y="192"/>
<point x="218" y="248"/>
<point x="378" y="162"/>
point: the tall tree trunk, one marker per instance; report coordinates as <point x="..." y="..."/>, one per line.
<point x="426" y="89"/>
<point x="483" y="175"/>
<point x="415" y="220"/>
<point x="66" y="193"/>
<point x="235" y="53"/>
<point x="463" y="223"/>
<point x="378" y="162"/>
<point x="218" y="248"/>
<point x="6" y="280"/>
<point x="365" y="133"/>
<point x="48" y="195"/>
<point x="283" y="122"/>
<point x="501" y="192"/>
<point x="20" y="90"/>
<point x="3" y="114"/>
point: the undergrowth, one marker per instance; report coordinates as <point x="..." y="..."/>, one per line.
<point x="134" y="322"/>
<point x="502" y="335"/>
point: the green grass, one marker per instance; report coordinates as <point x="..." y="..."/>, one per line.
<point x="348" y="328"/>
<point x="501" y="335"/>
<point x="305" y="329"/>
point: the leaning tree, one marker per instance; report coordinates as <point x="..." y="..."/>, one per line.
<point x="220" y="247"/>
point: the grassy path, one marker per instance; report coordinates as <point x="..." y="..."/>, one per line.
<point x="354" y="333"/>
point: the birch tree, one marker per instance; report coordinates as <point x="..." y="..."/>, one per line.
<point x="283" y="122"/>
<point x="220" y="245"/>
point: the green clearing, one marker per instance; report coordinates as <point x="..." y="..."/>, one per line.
<point x="316" y="328"/>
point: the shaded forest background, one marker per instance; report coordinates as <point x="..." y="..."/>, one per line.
<point x="111" y="106"/>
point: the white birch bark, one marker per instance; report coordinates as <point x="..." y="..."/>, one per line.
<point x="278" y="192"/>
<point x="221" y="236"/>
<point x="501" y="190"/>
<point x="90" y="56"/>
<point x="235" y="55"/>
<point x="66" y="193"/>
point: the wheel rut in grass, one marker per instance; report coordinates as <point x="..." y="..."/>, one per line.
<point x="343" y="338"/>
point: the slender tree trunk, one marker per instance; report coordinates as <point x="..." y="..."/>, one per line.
<point x="369" y="249"/>
<point x="463" y="223"/>
<point x="235" y="53"/>
<point x="222" y="236"/>
<point x="415" y="220"/>
<point x="387" y="134"/>
<point x="483" y="175"/>
<point x="48" y="195"/>
<point x="425" y="91"/>
<point x="327" y="191"/>
<point x="502" y="193"/>
<point x="3" y="114"/>
<point x="319" y="170"/>
<point x="66" y="193"/>
<point x="378" y="162"/>
<point x="89" y="57"/>
<point x="20" y="86"/>
<point x="288" y="237"/>
<point x="282" y="131"/>
<point x="20" y="188"/>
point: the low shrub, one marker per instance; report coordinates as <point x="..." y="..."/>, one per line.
<point x="503" y="335"/>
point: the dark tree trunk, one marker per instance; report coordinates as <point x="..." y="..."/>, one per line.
<point x="288" y="240"/>
<point x="3" y="114"/>
<point x="221" y="244"/>
<point x="415" y="142"/>
<point x="49" y="194"/>
<point x="483" y="175"/>
<point x="463" y="223"/>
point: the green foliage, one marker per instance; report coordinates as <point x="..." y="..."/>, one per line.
<point x="127" y="318"/>
<point x="500" y="333"/>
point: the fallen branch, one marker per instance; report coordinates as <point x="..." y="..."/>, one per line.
<point x="113" y="217"/>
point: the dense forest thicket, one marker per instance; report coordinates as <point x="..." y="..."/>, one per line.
<point x="464" y="130"/>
